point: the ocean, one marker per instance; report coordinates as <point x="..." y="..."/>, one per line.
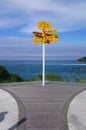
<point x="70" y="70"/>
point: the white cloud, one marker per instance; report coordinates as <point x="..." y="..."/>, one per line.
<point x="15" y="42"/>
<point x="22" y="48"/>
<point x="64" y="16"/>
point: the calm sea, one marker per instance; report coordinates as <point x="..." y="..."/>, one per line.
<point x="68" y="69"/>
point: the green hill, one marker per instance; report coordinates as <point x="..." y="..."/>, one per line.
<point x="83" y="59"/>
<point x="5" y="76"/>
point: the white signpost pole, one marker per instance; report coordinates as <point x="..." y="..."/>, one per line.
<point x="43" y="69"/>
<point x="46" y="36"/>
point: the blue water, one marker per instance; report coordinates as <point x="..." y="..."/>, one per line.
<point x="69" y="70"/>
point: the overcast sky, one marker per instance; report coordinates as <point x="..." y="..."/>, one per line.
<point x="18" y="19"/>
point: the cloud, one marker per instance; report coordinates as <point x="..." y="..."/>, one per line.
<point x="64" y="15"/>
<point x="22" y="48"/>
<point x="36" y="53"/>
<point x="22" y="16"/>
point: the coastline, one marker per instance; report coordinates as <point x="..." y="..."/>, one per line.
<point x="69" y="70"/>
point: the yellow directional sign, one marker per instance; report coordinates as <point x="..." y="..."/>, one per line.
<point x="47" y="35"/>
<point x="44" y="25"/>
<point x="40" y="40"/>
<point x="36" y="39"/>
<point x="52" y="39"/>
<point x="52" y="35"/>
<point x="41" y="35"/>
<point x="36" y="42"/>
<point x="47" y="39"/>
<point x="51" y="31"/>
<point x="38" y="34"/>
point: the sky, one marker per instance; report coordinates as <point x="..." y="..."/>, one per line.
<point x="19" y="18"/>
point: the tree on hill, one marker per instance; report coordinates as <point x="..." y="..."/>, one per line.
<point x="53" y="77"/>
<point x="83" y="59"/>
<point x="15" y="78"/>
<point x="4" y="74"/>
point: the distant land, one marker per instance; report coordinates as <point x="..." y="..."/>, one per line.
<point x="83" y="59"/>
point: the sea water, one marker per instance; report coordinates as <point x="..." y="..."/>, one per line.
<point x="68" y="69"/>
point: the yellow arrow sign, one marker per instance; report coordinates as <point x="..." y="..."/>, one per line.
<point x="41" y="35"/>
<point x="52" y="35"/>
<point x="47" y="40"/>
<point x="51" y="39"/>
<point x="44" y="25"/>
<point x="37" y="40"/>
<point x="46" y="36"/>
<point x="51" y="31"/>
<point x="38" y="34"/>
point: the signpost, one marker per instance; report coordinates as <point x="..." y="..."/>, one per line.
<point x="45" y="37"/>
<point x="44" y="25"/>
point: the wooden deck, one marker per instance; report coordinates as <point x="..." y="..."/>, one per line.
<point x="44" y="106"/>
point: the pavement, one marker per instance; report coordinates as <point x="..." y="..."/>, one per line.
<point x="8" y="110"/>
<point x="77" y="112"/>
<point x="43" y="106"/>
<point x="12" y="114"/>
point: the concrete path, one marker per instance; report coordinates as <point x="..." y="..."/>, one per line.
<point x="77" y="112"/>
<point x="44" y="106"/>
<point x="8" y="110"/>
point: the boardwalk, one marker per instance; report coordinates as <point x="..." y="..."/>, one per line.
<point x="44" y="106"/>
